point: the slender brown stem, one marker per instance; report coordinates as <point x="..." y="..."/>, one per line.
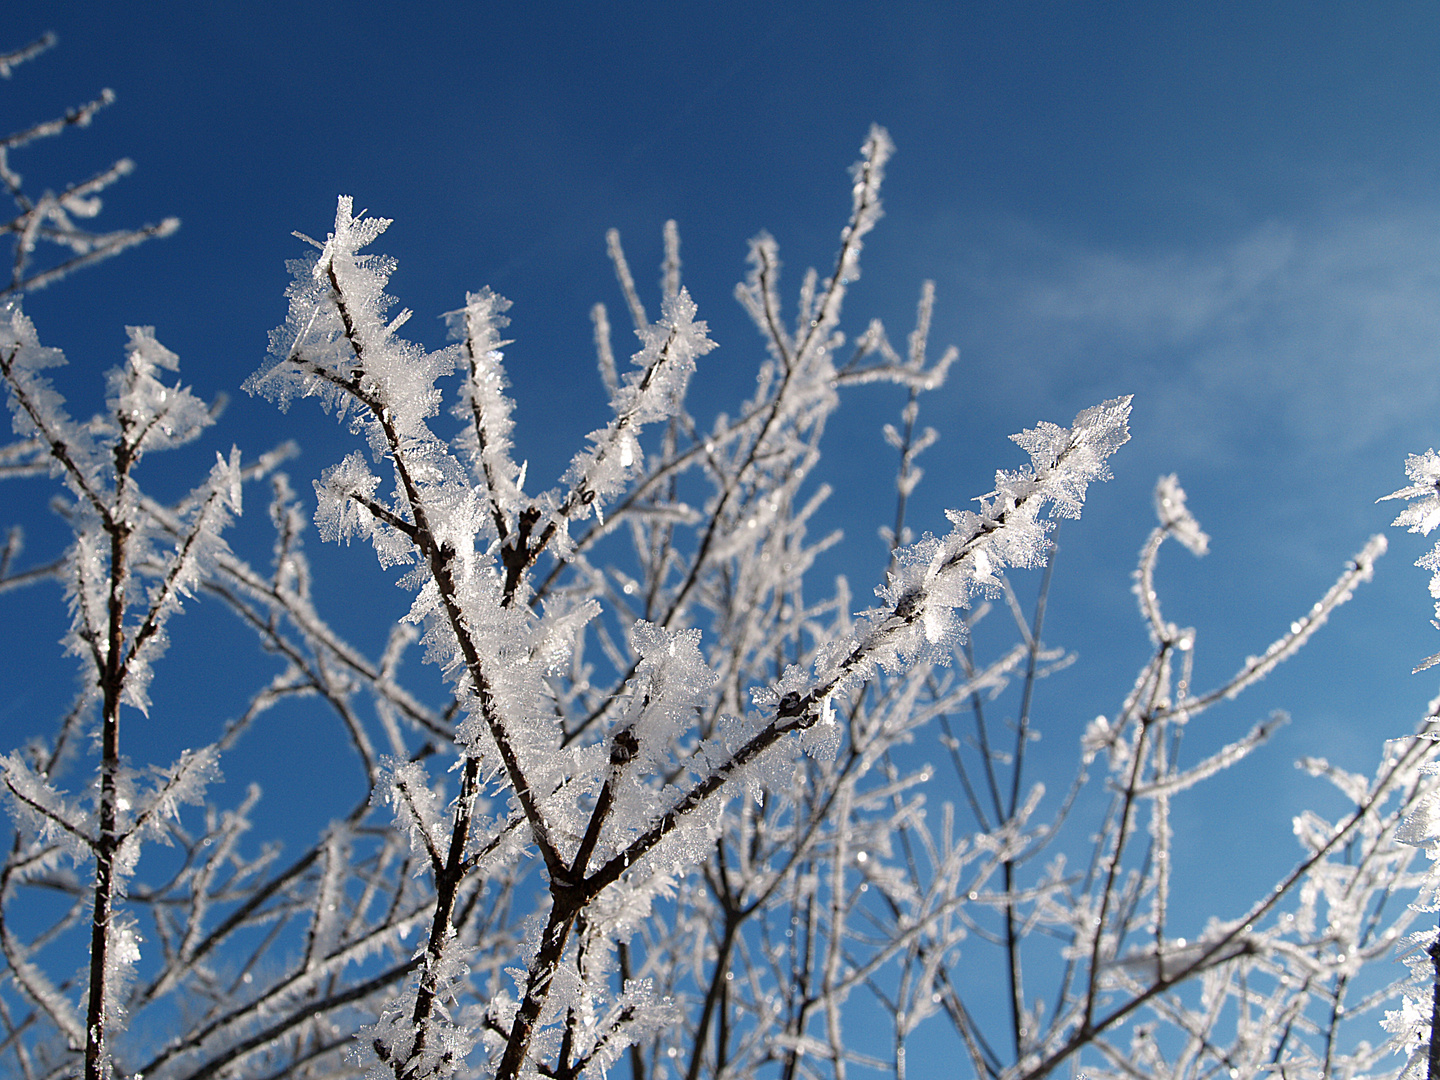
<point x="107" y="842"/>
<point x="565" y="906"/>
<point x="713" y="998"/>
<point x="447" y="887"/>
<point x="1434" y="1067"/>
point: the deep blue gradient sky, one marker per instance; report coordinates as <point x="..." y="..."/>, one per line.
<point x="1230" y="210"/>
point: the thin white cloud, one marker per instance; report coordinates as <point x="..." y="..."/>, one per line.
<point x="1166" y="300"/>
<point x="1319" y="338"/>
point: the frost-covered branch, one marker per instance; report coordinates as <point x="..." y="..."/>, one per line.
<point x="52" y="218"/>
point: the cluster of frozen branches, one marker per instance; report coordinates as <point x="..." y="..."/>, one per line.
<point x="665" y="821"/>
<point x="54" y="217"/>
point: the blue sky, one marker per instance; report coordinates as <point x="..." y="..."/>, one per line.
<point x="1230" y="210"/>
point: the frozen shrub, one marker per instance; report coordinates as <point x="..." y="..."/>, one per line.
<point x="664" y="822"/>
